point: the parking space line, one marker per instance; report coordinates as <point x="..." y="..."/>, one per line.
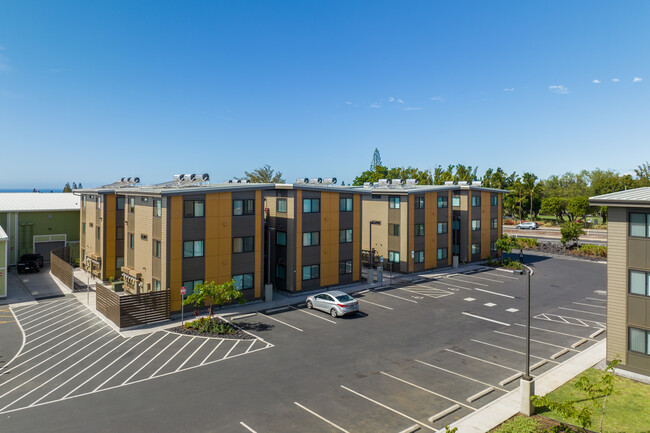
<point x="512" y="378"/>
<point x="211" y="352"/>
<point x="372" y="303"/>
<point x="87" y="316"/>
<point x="480" y="394"/>
<point x="398" y="297"/>
<point x="589" y="305"/>
<point x="597" y="299"/>
<point x="149" y="362"/>
<point x="37" y="311"/>
<point x="64" y="319"/>
<point x="444" y="413"/>
<point x="459" y="375"/>
<point x="312" y="314"/>
<point x="427" y="293"/>
<point x="280" y="321"/>
<point x="247" y="427"/>
<point x="484" y="318"/>
<point x="321" y="417"/>
<point x="505" y="276"/>
<point x="483" y="278"/>
<point x="426" y="390"/>
<point x="495" y="293"/>
<point x="193" y="353"/>
<point x="509" y="350"/>
<point x="54" y="338"/>
<point x="582" y="311"/>
<point x="449" y="285"/>
<point x="251" y="346"/>
<point x="389" y="408"/>
<point x="482" y="360"/>
<point x="39" y="320"/>
<point x="231" y="349"/>
<point x="553" y="332"/>
<point x="470" y="282"/>
<point x="535" y="341"/>
<point x="172" y="357"/>
<point x="597" y="333"/>
<point x="563" y="319"/>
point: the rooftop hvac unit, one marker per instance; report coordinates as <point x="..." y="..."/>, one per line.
<point x="329" y="181"/>
<point x="227" y="181"/>
<point x="462" y="182"/>
<point x="449" y="182"/>
<point x="245" y="181"/>
<point x="383" y="182"/>
<point x="477" y="183"/>
<point x="411" y="182"/>
<point x="178" y="177"/>
<point x="302" y="180"/>
<point x="316" y="180"/>
<point x="367" y="184"/>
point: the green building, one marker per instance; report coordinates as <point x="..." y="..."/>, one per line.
<point x="39" y="222"/>
<point x="3" y="263"/>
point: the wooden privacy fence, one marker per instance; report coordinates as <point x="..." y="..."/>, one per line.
<point x="127" y="310"/>
<point x="60" y="268"/>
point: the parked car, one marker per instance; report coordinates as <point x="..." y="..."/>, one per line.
<point x="528" y="226"/>
<point x="336" y="303"/>
<point x="29" y="262"/>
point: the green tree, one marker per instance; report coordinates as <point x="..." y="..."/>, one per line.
<point x="380" y="172"/>
<point x="496" y="179"/>
<point x="376" y="160"/>
<point x="67" y="188"/>
<point x="507" y="243"/>
<point x="554" y="206"/>
<point x="214" y="294"/>
<point x="264" y="174"/>
<point x="571" y="231"/>
<point x="530" y="184"/>
<point x="80" y="186"/>
<point x="577" y="206"/>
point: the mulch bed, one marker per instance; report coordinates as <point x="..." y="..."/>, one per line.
<point x="558" y="249"/>
<point x="237" y="335"/>
<point x="545" y="425"/>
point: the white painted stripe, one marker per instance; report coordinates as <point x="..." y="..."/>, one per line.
<point x="495" y="293"/>
<point x="427" y="294"/>
<point x="172" y="357"/>
<point x="444" y="413"/>
<point x="589" y="305"/>
<point x="243" y="316"/>
<point x="470" y="282"/>
<point x="426" y="390"/>
<point x="505" y="276"/>
<point x="64" y="340"/>
<point x="372" y="303"/>
<point x="48" y="326"/>
<point x="149" y="362"/>
<point x="485" y="318"/>
<point x="412" y="429"/>
<point x="73" y="366"/>
<point x="193" y="353"/>
<point x="582" y="311"/>
<point x="247" y="427"/>
<point x="363" y="291"/>
<point x="535" y="341"/>
<point x="505" y="348"/>
<point x="132" y="361"/>
<point x="483" y="278"/>
<point x="549" y="330"/>
<point x="539" y="364"/>
<point x="213" y="350"/>
<point x="88" y="318"/>
<point x="36" y="311"/>
<point x="597" y="299"/>
<point x="251" y="346"/>
<point x="597" y="333"/>
<point x="231" y="349"/>
<point x="482" y="360"/>
<point x="314" y="315"/>
<point x="560" y="353"/>
<point x="387" y="407"/>
<point x="40" y="319"/>
<point x="322" y="418"/>
<point x="398" y="297"/>
<point x="458" y="374"/>
<point x="480" y="394"/>
<point x="579" y="343"/>
<point x="507" y="380"/>
<point x="446" y="284"/>
<point x="22" y="345"/>
<point x="280" y="321"/>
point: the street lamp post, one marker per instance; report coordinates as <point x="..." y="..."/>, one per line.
<point x="371" y="261"/>
<point x="527" y="383"/>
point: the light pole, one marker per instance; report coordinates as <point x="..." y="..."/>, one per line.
<point x="372" y="222"/>
<point x="527" y="383"/>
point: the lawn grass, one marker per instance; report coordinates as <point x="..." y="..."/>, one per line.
<point x="627" y="411"/>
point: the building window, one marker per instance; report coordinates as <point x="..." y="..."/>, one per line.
<point x="455" y="249"/>
<point x="190" y="286"/>
<point x="442" y="228"/>
<point x="243" y="207"/>
<point x="443" y="202"/>
<point x="639" y="224"/>
<point x="455" y="201"/>
<point x="194" y="208"/>
<point x="476" y="248"/>
<point x="455" y="225"/>
<point x="345" y="236"/>
<point x="156" y="286"/>
<point x="442" y="253"/>
<point x="99" y="232"/>
<point x="310" y="272"/>
<point x="192" y="249"/>
<point x="119" y="262"/>
<point x="493" y="246"/>
<point x="143" y="236"/>
<point x="476" y="200"/>
<point x="476" y="225"/>
<point x="419" y="202"/>
<point x="393" y="229"/>
<point x="83" y="201"/>
<point x="131" y="204"/>
<point x="310" y="239"/>
<point x="640" y="283"/>
<point x="419" y="257"/>
<point x="281" y="238"/>
<point x="243" y="281"/>
<point x="345" y="205"/>
<point x="494" y="223"/>
<point x="99" y="202"/>
<point x="144" y="199"/>
<point x="243" y="245"/>
<point x="393" y="202"/>
<point x="119" y="233"/>
<point x="156" y="248"/>
<point x="419" y="230"/>
<point x="119" y="201"/>
<point x="157" y="208"/>
<point x="393" y="256"/>
<point x="83" y="228"/>
<point x="282" y="205"/>
<point x="280" y="271"/>
<point x="131" y="240"/>
<point x="639" y="341"/>
<point x="494" y="200"/>
<point x="345" y="267"/>
<point x="311" y="205"/>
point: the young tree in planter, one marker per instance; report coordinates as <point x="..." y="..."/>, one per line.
<point x="215" y="294"/>
<point x="571" y="231"/>
<point x="506" y="244"/>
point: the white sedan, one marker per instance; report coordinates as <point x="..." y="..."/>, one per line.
<point x="336" y="303"/>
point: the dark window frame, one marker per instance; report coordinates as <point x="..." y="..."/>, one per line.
<point x="191" y="212"/>
<point x="311" y="239"/>
<point x="194" y="254"/>
<point x="311" y="205"/>
<point x="311" y="273"/>
<point x="343" y="236"/>
<point x="246" y="278"/>
<point x="443" y="202"/>
<point x="247" y="206"/>
<point x="343" y="204"/>
<point x="247" y="244"/>
<point x="419" y="229"/>
<point x="345" y="267"/>
<point x="281" y="209"/>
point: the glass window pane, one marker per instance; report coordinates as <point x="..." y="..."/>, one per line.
<point x="306" y="239"/>
<point x="281" y="238"/>
<point x="638" y="282"/>
<point x="198" y="248"/>
<point x="638" y="224"/>
<point x="238" y="279"/>
<point x="638" y="340"/>
<point x="189" y="208"/>
<point x="306" y="272"/>
<point x="237" y="207"/>
<point x="282" y="205"/>
<point x="248" y="281"/>
<point x="306" y="205"/>
<point x="315" y="205"/>
<point x="188" y="249"/>
<point x="315" y="271"/>
<point x="237" y="245"/>
<point x="455" y="201"/>
<point x="315" y="238"/>
<point x="198" y="208"/>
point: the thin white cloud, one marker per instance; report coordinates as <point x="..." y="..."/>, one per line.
<point x="512" y="89"/>
<point x="391" y="99"/>
<point x="2" y="48"/>
<point x="616" y="80"/>
<point x="437" y="98"/>
<point x="348" y="102"/>
<point x="637" y="80"/>
<point x="375" y="105"/>
<point x="400" y="101"/>
<point x="596" y="81"/>
<point x="411" y="108"/>
<point x="559" y="89"/>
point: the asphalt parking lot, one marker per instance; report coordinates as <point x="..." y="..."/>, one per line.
<point x="418" y="356"/>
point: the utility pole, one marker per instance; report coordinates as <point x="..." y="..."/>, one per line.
<point x="527" y="383"/>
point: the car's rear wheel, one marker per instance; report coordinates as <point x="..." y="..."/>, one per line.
<point x="310" y="305"/>
<point x="333" y="312"/>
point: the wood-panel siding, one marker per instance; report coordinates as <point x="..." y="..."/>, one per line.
<point x="329" y="238"/>
<point x="485" y="225"/>
<point x="431" y="230"/>
<point x="617" y="283"/>
<point x="356" y="237"/>
<point x="176" y="251"/>
<point x="450" y="227"/>
<point x="259" y="213"/>
<point x="298" y="271"/>
<point x="411" y="232"/>
<point x="218" y="237"/>
<point x="109" y="236"/>
<point x="143" y="254"/>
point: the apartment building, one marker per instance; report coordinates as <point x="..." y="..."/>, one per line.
<point x="628" y="277"/>
<point x="417" y="227"/>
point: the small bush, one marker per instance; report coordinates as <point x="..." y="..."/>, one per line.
<point x="530" y="243"/>
<point x="512" y="264"/>
<point x="519" y="425"/>
<point x="210" y="326"/>
<point x="593" y="250"/>
<point x="508" y="222"/>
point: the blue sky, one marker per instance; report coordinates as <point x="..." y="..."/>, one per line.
<point x="93" y="91"/>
